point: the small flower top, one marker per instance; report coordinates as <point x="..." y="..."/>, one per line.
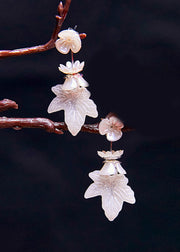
<point x="111" y="127"/>
<point x="109" y="155"/>
<point x="71" y="67"/>
<point x="68" y="40"/>
<point x="76" y="105"/>
<point x="113" y="190"/>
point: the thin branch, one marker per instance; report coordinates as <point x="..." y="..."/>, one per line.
<point x="46" y="124"/>
<point x="62" y="12"/>
<point x="7" y="104"/>
<point x="41" y="123"/>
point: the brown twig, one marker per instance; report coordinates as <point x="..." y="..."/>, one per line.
<point x="62" y="12"/>
<point x="46" y="124"/>
<point x="41" y="123"/>
<point x="7" y="104"/>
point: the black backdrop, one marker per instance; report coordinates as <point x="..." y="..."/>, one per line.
<point x="132" y="55"/>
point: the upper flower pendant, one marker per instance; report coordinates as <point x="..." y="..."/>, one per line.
<point x="76" y="105"/>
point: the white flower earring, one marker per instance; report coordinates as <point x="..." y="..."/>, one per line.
<point x="72" y="96"/>
<point x="110" y="182"/>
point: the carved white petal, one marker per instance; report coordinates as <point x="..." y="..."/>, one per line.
<point x="129" y="195"/>
<point x="113" y="136"/>
<point x="104" y="126"/>
<point x="89" y="108"/>
<point x="56" y="105"/>
<point x="111" y="205"/>
<point x="62" y="46"/>
<point x="57" y="89"/>
<point x="74" y="118"/>
<point x="76" y="46"/>
<point x="94" y="175"/>
<point x="92" y="191"/>
<point x="79" y="65"/>
<point x="68" y="39"/>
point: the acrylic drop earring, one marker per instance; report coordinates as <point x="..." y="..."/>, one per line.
<point x="72" y="96"/>
<point x="110" y="182"/>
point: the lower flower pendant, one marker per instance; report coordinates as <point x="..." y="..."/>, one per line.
<point x="112" y="187"/>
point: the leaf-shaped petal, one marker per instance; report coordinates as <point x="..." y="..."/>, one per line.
<point x="94" y="175"/>
<point x="91" y="109"/>
<point x="57" y="89"/>
<point x="92" y="191"/>
<point x="128" y="194"/>
<point x="111" y="204"/>
<point x="74" y="119"/>
<point x="55" y="105"/>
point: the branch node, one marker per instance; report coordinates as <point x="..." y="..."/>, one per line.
<point x="60" y="8"/>
<point x="58" y="17"/>
<point x="17" y="128"/>
<point x="6" y="104"/>
<point x="83" y="35"/>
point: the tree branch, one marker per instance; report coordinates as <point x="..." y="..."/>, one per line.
<point x="46" y="124"/>
<point x="41" y="123"/>
<point x="62" y="12"/>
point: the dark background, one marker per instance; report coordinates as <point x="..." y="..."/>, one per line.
<point x="132" y="63"/>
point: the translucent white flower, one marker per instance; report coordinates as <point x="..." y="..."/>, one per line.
<point x="68" y="40"/>
<point x="71" y="67"/>
<point x="74" y="81"/>
<point x="111" y="184"/>
<point x="111" y="127"/>
<point x="113" y="190"/>
<point x="76" y="105"/>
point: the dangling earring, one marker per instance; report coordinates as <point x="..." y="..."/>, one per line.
<point x="110" y="182"/>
